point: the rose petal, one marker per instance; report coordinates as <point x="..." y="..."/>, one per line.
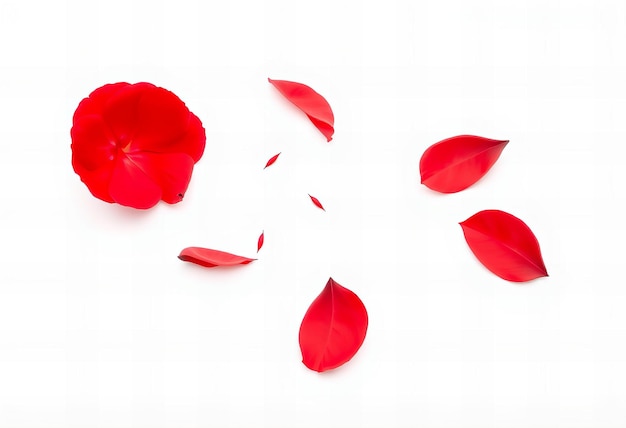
<point x="170" y="171"/>
<point x="210" y="258"/>
<point x="505" y="245"/>
<point x="333" y="328"/>
<point x="93" y="146"/>
<point x="192" y="143"/>
<point x="310" y="102"/>
<point x="130" y="186"/>
<point x="94" y="104"/>
<point x="162" y="119"/>
<point x="120" y="112"/>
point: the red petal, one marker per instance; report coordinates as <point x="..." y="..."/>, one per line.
<point x="120" y="111"/>
<point x="192" y="143"/>
<point x="310" y="102"/>
<point x="161" y="120"/>
<point x="260" y="243"/>
<point x="212" y="258"/>
<point x="130" y="186"/>
<point x="333" y="328"/>
<point x="505" y="245"/>
<point x="94" y="104"/>
<point x="316" y="202"/>
<point x="93" y="146"/>
<point x="455" y="164"/>
<point x="272" y="160"/>
<point x="170" y="171"/>
<point x="93" y="154"/>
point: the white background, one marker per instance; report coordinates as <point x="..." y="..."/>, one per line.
<point x="102" y="326"/>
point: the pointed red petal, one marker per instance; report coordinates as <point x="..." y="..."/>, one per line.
<point x="317" y="202"/>
<point x="272" y="160"/>
<point x="505" y="245"/>
<point x="310" y="102"/>
<point x="260" y="243"/>
<point x="454" y="164"/>
<point x="212" y="258"/>
<point x="333" y="328"/>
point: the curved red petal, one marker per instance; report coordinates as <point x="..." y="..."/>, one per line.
<point x="260" y="242"/>
<point x="212" y="258"/>
<point x="94" y="103"/>
<point x="456" y="163"/>
<point x="170" y="171"/>
<point x="130" y="186"/>
<point x="333" y="328"/>
<point x="316" y="202"/>
<point x="505" y="245"/>
<point x="310" y="102"/>
<point x="93" y="145"/>
<point x="272" y="160"/>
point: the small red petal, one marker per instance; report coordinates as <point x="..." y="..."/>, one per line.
<point x="333" y="328"/>
<point x="505" y="245"/>
<point x="260" y="242"/>
<point x="310" y="102"/>
<point x="272" y="160"/>
<point x="456" y="163"/>
<point x="317" y="202"/>
<point x="212" y="258"/>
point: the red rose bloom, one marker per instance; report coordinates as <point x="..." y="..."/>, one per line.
<point x="135" y="144"/>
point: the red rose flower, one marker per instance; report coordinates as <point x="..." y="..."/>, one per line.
<point x="135" y="144"/>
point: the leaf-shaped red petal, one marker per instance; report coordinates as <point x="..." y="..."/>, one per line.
<point x="456" y="163"/>
<point x="212" y="258"/>
<point x="260" y="243"/>
<point x="505" y="245"/>
<point x="317" y="202"/>
<point x="333" y="328"/>
<point x="272" y="160"/>
<point x="310" y="102"/>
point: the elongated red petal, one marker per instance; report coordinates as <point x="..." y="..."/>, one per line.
<point x="272" y="160"/>
<point x="333" y="328"/>
<point x="310" y="102"/>
<point x="212" y="258"/>
<point x="505" y="245"/>
<point x="454" y="164"/>
<point x="316" y="202"/>
<point x="260" y="242"/>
